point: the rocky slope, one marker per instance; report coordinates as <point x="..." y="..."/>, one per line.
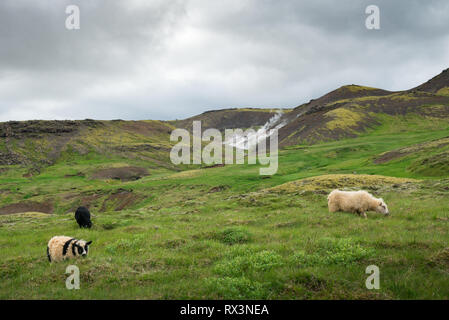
<point x="352" y="110"/>
<point x="343" y="113"/>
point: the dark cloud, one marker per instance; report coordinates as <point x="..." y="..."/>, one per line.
<point x="165" y="59"/>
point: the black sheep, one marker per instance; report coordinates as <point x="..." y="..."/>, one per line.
<point x="82" y="216"/>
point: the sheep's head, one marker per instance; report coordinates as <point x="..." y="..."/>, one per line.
<point x="382" y="207"/>
<point x="83" y="247"/>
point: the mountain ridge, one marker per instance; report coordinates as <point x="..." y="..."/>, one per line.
<point x="345" y="112"/>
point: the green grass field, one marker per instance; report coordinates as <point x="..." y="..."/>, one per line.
<point x="229" y="233"/>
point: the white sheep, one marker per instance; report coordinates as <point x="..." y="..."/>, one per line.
<point x="62" y="247"/>
<point x="356" y="202"/>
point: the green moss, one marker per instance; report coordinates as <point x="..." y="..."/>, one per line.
<point x="403" y="96"/>
<point x="343" y="118"/>
<point x="356" y="88"/>
<point x="443" y="91"/>
<point x="334" y="181"/>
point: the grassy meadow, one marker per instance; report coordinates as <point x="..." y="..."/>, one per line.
<point x="229" y="233"/>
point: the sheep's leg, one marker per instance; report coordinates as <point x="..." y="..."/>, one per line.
<point x="361" y="213"/>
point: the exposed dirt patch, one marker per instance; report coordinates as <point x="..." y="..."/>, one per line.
<point x="122" y="173"/>
<point x="87" y="200"/>
<point x="45" y="207"/>
<point x="90" y="201"/>
<point x="78" y="174"/>
<point x="218" y="188"/>
<point x="214" y="166"/>
<point x="119" y="200"/>
<point x="388" y="156"/>
<point x="99" y="201"/>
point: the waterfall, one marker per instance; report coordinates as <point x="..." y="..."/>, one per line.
<point x="241" y="141"/>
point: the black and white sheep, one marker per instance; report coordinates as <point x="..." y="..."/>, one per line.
<point x="82" y="216"/>
<point x="356" y="202"/>
<point x="61" y="247"/>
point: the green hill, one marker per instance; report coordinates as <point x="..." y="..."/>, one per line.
<point x="167" y="232"/>
<point x="353" y="110"/>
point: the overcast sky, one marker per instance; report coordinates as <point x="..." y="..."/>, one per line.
<point x="151" y="59"/>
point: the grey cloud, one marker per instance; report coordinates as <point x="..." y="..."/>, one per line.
<point x="172" y="59"/>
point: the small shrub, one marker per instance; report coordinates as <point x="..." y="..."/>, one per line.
<point x="233" y="236"/>
<point x="237" y="266"/>
<point x="265" y="260"/>
<point x="232" y="267"/>
<point x="329" y="251"/>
